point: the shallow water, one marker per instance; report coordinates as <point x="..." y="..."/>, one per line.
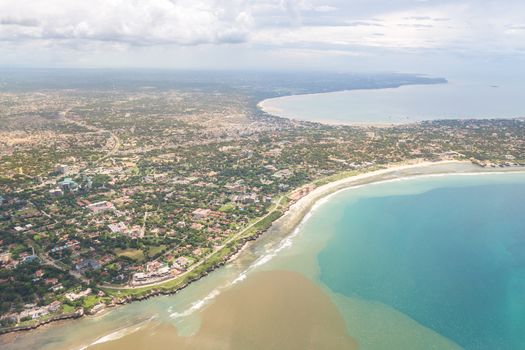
<point x="451" y="258"/>
<point x="378" y="260"/>
<point x="410" y="103"/>
<point x="271" y="310"/>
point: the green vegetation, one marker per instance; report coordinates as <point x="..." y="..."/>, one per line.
<point x="129" y="187"/>
<point x="133" y="254"/>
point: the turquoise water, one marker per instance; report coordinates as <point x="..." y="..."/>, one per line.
<point x="431" y="262"/>
<point x="450" y="255"/>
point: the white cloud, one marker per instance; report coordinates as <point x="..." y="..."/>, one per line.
<point x="459" y="27"/>
<point x="299" y="28"/>
<point x="184" y="22"/>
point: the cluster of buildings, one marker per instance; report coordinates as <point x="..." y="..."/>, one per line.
<point x="75" y="296"/>
<point x="32" y="312"/>
<point x="153" y="274"/>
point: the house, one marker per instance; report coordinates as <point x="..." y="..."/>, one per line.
<point x="68" y="185"/>
<point x="56" y="192"/>
<point x="245" y="198"/>
<point x="119" y="227"/>
<point x="69" y="244"/>
<point x="182" y="261"/>
<point x="153" y="266"/>
<point x="282" y="174"/>
<point x="51" y="281"/>
<point x="34" y="313"/>
<point x="159" y="274"/>
<point x="61" y="168"/>
<point x="29" y="258"/>
<point x="5" y="258"/>
<point x="199" y="214"/>
<point x="101" y="207"/>
<point x="86" y="264"/>
<point x="57" y="287"/>
<point x="76" y="296"/>
<point x="267" y="199"/>
<point x="197" y="226"/>
<point x="54" y="306"/>
<point x="136" y="232"/>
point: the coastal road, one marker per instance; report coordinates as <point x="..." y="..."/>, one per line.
<point x="207" y="257"/>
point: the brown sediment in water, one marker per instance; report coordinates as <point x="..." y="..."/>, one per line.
<point x="270" y="310"/>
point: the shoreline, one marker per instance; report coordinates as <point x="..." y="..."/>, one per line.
<point x="288" y="220"/>
<point x="398" y="119"/>
<point x="277" y="112"/>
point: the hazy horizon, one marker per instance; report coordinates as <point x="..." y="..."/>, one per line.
<point x="444" y="38"/>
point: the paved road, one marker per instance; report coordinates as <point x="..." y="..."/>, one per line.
<point x="207" y="257"/>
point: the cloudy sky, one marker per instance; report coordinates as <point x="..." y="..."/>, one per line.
<point x="401" y="35"/>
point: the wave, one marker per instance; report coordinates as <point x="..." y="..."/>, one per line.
<point x="196" y="305"/>
<point x="283" y="244"/>
<point x="119" y="333"/>
<point x="287" y="242"/>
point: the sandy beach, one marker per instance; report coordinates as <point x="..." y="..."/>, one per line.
<point x="299" y="209"/>
<point x="278" y="112"/>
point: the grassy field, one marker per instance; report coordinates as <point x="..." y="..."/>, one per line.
<point x="135" y="254"/>
<point x="67" y="308"/>
<point x="152" y="251"/>
<point x="90" y="301"/>
<point x="227" y="207"/>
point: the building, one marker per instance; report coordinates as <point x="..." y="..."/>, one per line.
<point x="33" y="313"/>
<point x="199" y="214"/>
<point x="68" y="185"/>
<point x="86" y="264"/>
<point x="61" y="169"/>
<point x="29" y="258"/>
<point x="118" y="227"/>
<point x="160" y="274"/>
<point x="245" y="198"/>
<point x="182" y="262"/>
<point x="54" y="306"/>
<point x="136" y="232"/>
<point x="5" y="258"/>
<point x="2" y="200"/>
<point x="101" y="207"/>
<point x="76" y="296"/>
<point x="56" y="192"/>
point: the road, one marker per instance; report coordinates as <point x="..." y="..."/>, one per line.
<point x="207" y="257"/>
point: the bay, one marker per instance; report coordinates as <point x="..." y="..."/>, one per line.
<point x="406" y="104"/>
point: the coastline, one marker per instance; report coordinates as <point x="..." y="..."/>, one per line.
<point x="277" y="112"/>
<point x="397" y="106"/>
<point x="286" y="222"/>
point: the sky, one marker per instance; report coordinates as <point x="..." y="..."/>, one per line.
<point x="424" y="36"/>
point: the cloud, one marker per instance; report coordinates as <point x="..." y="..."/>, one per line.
<point x="184" y="22"/>
<point x="325" y="8"/>
<point x="242" y="28"/>
<point x="23" y="22"/>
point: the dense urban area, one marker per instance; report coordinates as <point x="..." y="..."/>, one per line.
<point x="107" y="194"/>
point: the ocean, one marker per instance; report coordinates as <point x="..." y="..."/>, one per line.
<point x="449" y="255"/>
<point x="406" y="104"/>
<point x="423" y="262"/>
